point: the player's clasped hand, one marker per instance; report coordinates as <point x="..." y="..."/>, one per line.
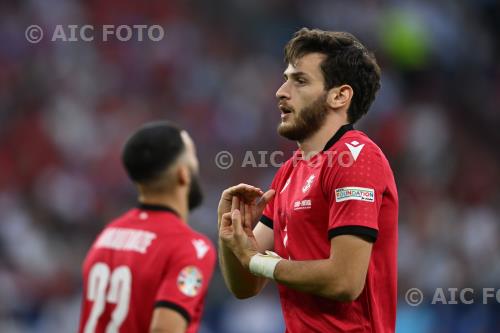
<point x="247" y="193"/>
<point x="251" y="195"/>
<point x="235" y="236"/>
<point x="239" y="210"/>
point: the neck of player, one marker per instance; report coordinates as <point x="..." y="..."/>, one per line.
<point x="316" y="142"/>
<point x="176" y="201"/>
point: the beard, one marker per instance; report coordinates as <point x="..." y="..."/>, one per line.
<point x="306" y="122"/>
<point x="195" y="196"/>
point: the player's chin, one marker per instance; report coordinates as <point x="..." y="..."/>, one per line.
<point x="287" y="123"/>
<point x="284" y="127"/>
<point x="287" y="129"/>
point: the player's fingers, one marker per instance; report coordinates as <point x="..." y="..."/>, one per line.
<point x="236" y="220"/>
<point x="241" y="188"/>
<point x="226" y="220"/>
<point x="247" y="222"/>
<point x="246" y="187"/>
<point x="242" y="209"/>
<point x="242" y="213"/>
<point x="248" y="192"/>
<point x="235" y="203"/>
<point x="250" y="197"/>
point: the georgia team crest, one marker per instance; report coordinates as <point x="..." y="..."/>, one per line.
<point x="189" y="281"/>
<point x="308" y="184"/>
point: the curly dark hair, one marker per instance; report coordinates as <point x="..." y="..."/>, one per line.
<point x="347" y="62"/>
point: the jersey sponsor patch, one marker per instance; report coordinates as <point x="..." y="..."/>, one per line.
<point x="354" y="193"/>
<point x="189" y="281"/>
<point x="302" y="204"/>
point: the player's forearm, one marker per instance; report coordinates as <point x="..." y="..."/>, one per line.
<point x="317" y="277"/>
<point x="238" y="279"/>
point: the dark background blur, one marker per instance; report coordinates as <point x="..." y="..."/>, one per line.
<point x="67" y="107"/>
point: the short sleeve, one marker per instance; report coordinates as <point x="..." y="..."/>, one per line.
<point x="268" y="214"/>
<point x="266" y="217"/>
<point x="354" y="190"/>
<point x="188" y="275"/>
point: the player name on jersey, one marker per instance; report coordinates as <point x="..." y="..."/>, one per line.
<point x="126" y="239"/>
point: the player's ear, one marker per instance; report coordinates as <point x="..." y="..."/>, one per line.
<point x="183" y="175"/>
<point x="340" y="96"/>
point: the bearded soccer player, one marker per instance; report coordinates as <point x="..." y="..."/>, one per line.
<point x="331" y="213"/>
<point x="148" y="271"/>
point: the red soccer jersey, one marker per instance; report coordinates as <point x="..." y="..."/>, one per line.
<point x="348" y="188"/>
<point x="146" y="258"/>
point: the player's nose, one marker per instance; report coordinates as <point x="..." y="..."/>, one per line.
<point x="283" y="92"/>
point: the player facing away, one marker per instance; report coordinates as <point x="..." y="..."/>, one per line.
<point x="331" y="213"/>
<point x="148" y="271"/>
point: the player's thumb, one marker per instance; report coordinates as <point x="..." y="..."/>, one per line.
<point x="266" y="197"/>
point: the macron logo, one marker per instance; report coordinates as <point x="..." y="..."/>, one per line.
<point x="355" y="149"/>
<point x="201" y="247"/>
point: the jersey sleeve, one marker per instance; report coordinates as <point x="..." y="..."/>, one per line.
<point x="188" y="275"/>
<point x="354" y="188"/>
<point x="268" y="214"/>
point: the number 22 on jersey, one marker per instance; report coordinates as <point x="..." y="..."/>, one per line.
<point x="119" y="281"/>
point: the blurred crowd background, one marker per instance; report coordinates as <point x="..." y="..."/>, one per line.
<point x="67" y="107"/>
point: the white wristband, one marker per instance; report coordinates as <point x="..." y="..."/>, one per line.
<point x="264" y="264"/>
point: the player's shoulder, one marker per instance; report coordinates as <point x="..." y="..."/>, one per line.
<point x="196" y="245"/>
<point x="356" y="138"/>
<point x="122" y="219"/>
<point x="359" y="146"/>
<point x="280" y="175"/>
<point x="288" y="165"/>
<point x="162" y="224"/>
<point x="194" y="234"/>
<point x="203" y="240"/>
<point x="188" y="235"/>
